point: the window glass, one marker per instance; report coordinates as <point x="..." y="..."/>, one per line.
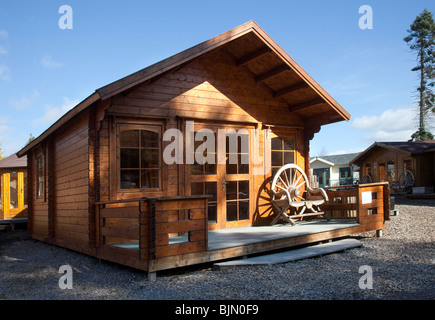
<point x="282" y="149"/>
<point x="139" y="153"/>
<point x="40" y="183"/>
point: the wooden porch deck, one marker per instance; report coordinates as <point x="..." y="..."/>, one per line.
<point x="243" y="236"/>
<point x="145" y="239"/>
<point x="249" y="235"/>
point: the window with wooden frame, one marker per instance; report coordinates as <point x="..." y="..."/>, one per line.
<point x="139" y="155"/>
<point x="283" y="152"/>
<point x="40" y="176"/>
<point x="391" y="170"/>
<point x="407" y="164"/>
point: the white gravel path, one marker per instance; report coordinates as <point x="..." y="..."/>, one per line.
<point x="402" y="262"/>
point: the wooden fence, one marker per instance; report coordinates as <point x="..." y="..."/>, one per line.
<point x="367" y="203"/>
<point x="153" y="228"/>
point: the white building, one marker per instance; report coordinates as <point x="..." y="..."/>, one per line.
<point x="334" y="170"/>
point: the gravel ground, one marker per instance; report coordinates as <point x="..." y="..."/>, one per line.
<point x="402" y="264"/>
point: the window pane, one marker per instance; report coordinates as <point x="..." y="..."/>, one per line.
<point x="210" y="188"/>
<point x="289" y="144"/>
<point x="289" y="157"/>
<point x="209" y="168"/>
<point x="277" y="158"/>
<point x="149" y="139"/>
<point x="231" y="143"/>
<point x="243" y="143"/>
<point x="40" y="177"/>
<point x="243" y="163"/>
<point x="231" y="190"/>
<point x="129" y="138"/>
<point x="129" y="179"/>
<point x="197" y="169"/>
<point x="212" y="213"/>
<point x="243" y="210"/>
<point x="149" y="179"/>
<point x="129" y="158"/>
<point x="244" y="189"/>
<point x="149" y="158"/>
<point x="231" y="211"/>
<point x="13" y="190"/>
<point x="276" y="143"/>
<point x="231" y="168"/>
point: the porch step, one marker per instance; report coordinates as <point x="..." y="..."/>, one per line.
<point x="292" y="255"/>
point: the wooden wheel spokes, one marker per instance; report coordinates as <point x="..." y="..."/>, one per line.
<point x="289" y="184"/>
<point x="291" y="195"/>
<point x="406" y="179"/>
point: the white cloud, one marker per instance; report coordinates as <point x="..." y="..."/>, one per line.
<point x="48" y="62"/>
<point x="52" y="114"/>
<point x="392" y="125"/>
<point x="381" y="135"/>
<point x="5" y="73"/>
<point x="390" y="120"/>
<point x="3" y="50"/>
<point x="25" y="102"/>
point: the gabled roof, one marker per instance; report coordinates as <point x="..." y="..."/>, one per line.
<point x="251" y="48"/>
<point x="320" y="159"/>
<point x="410" y="147"/>
<point x="336" y="159"/>
<point x="13" y="162"/>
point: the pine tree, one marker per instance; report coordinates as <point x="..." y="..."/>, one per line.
<point x="421" y="39"/>
<point x="1" y="152"/>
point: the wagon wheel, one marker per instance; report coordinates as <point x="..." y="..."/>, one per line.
<point x="366" y="179"/>
<point x="288" y="186"/>
<point x="406" y="180"/>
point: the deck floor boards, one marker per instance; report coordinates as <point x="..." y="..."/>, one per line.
<point x="241" y="236"/>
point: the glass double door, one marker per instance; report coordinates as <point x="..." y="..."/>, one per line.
<point x="225" y="175"/>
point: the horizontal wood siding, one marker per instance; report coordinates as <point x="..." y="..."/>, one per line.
<point x="212" y="88"/>
<point x="71" y="186"/>
<point x="39" y="225"/>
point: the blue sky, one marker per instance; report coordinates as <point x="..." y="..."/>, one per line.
<point x="45" y="71"/>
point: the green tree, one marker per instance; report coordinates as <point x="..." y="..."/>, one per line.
<point x="421" y="39"/>
<point x="1" y="152"/>
<point x="31" y="138"/>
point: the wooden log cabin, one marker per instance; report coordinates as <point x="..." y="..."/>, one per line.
<point x="98" y="183"/>
<point x="387" y="161"/>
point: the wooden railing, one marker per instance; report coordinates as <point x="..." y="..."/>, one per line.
<point x="367" y="203"/>
<point x="156" y="227"/>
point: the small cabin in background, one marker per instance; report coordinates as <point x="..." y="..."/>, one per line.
<point x="13" y="187"/>
<point x="334" y="170"/>
<point x="99" y="182"/>
<point x="388" y="161"/>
